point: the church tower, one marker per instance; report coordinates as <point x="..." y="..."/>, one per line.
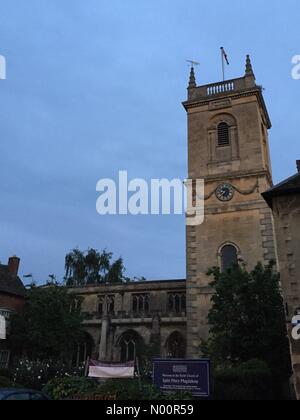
<point x="228" y="147"/>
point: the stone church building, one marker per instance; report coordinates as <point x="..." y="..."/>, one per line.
<point x="228" y="147"/>
<point x="284" y="200"/>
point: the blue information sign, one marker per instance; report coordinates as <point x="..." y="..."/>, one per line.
<point x="171" y="375"/>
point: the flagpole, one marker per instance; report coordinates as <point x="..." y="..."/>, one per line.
<point x="139" y="373"/>
<point x="87" y="365"/>
<point x="223" y="64"/>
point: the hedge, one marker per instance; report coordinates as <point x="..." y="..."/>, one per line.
<point x="6" y="383"/>
<point x="124" y="390"/>
<point x="251" y="381"/>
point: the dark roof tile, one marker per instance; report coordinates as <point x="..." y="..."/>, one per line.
<point x="10" y="284"/>
<point x="287" y="187"/>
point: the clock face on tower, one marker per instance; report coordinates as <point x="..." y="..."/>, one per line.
<point x="225" y="192"/>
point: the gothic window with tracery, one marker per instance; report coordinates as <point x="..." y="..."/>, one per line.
<point x="130" y="345"/>
<point x="175" y="346"/>
<point x="141" y="303"/>
<point x="177" y="303"/>
<point x="108" y="303"/>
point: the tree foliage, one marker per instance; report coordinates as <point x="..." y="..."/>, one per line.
<point x="250" y="381"/>
<point x="122" y="389"/>
<point x="36" y="374"/>
<point x="50" y="326"/>
<point x="91" y="268"/>
<point x="247" y="319"/>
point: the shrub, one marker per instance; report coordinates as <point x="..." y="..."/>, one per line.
<point x="250" y="381"/>
<point x="5" y="373"/>
<point x="123" y="389"/>
<point x="64" y="388"/>
<point x="36" y="375"/>
<point x="6" y="383"/>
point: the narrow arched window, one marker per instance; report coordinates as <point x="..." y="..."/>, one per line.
<point x="147" y="304"/>
<point x="101" y="305"/>
<point x="135" y="304"/>
<point x="128" y="350"/>
<point x="177" y="303"/>
<point x="110" y="305"/>
<point x="229" y="257"/>
<point x="131" y="344"/>
<point x="176" y="346"/>
<point x="223" y="134"/>
<point x="141" y="303"/>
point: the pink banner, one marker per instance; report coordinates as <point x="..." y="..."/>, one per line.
<point x="105" y="370"/>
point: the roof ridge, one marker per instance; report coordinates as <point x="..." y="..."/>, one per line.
<point x="291" y="178"/>
<point x="10" y="284"/>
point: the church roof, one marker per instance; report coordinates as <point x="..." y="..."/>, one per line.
<point x="287" y="187"/>
<point x="138" y="286"/>
<point x="10" y="284"/>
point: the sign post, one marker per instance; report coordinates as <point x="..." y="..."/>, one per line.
<point x="173" y="375"/>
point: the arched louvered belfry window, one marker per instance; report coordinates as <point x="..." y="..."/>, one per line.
<point x="223" y="134"/>
<point x="229" y="257"/>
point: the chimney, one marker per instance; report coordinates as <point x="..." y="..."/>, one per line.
<point x="298" y="166"/>
<point x="13" y="265"/>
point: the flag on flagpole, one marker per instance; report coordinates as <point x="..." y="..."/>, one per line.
<point x="106" y="370"/>
<point x="225" y="56"/>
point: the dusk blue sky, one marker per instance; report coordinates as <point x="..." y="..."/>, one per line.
<point x="94" y="87"/>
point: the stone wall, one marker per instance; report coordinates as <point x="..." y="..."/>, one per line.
<point x="286" y="210"/>
<point x="106" y="326"/>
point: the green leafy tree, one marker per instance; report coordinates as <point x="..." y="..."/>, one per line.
<point x="75" y="266"/>
<point x="116" y="272"/>
<point x="92" y="268"/>
<point x="247" y="320"/>
<point x="50" y="325"/>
